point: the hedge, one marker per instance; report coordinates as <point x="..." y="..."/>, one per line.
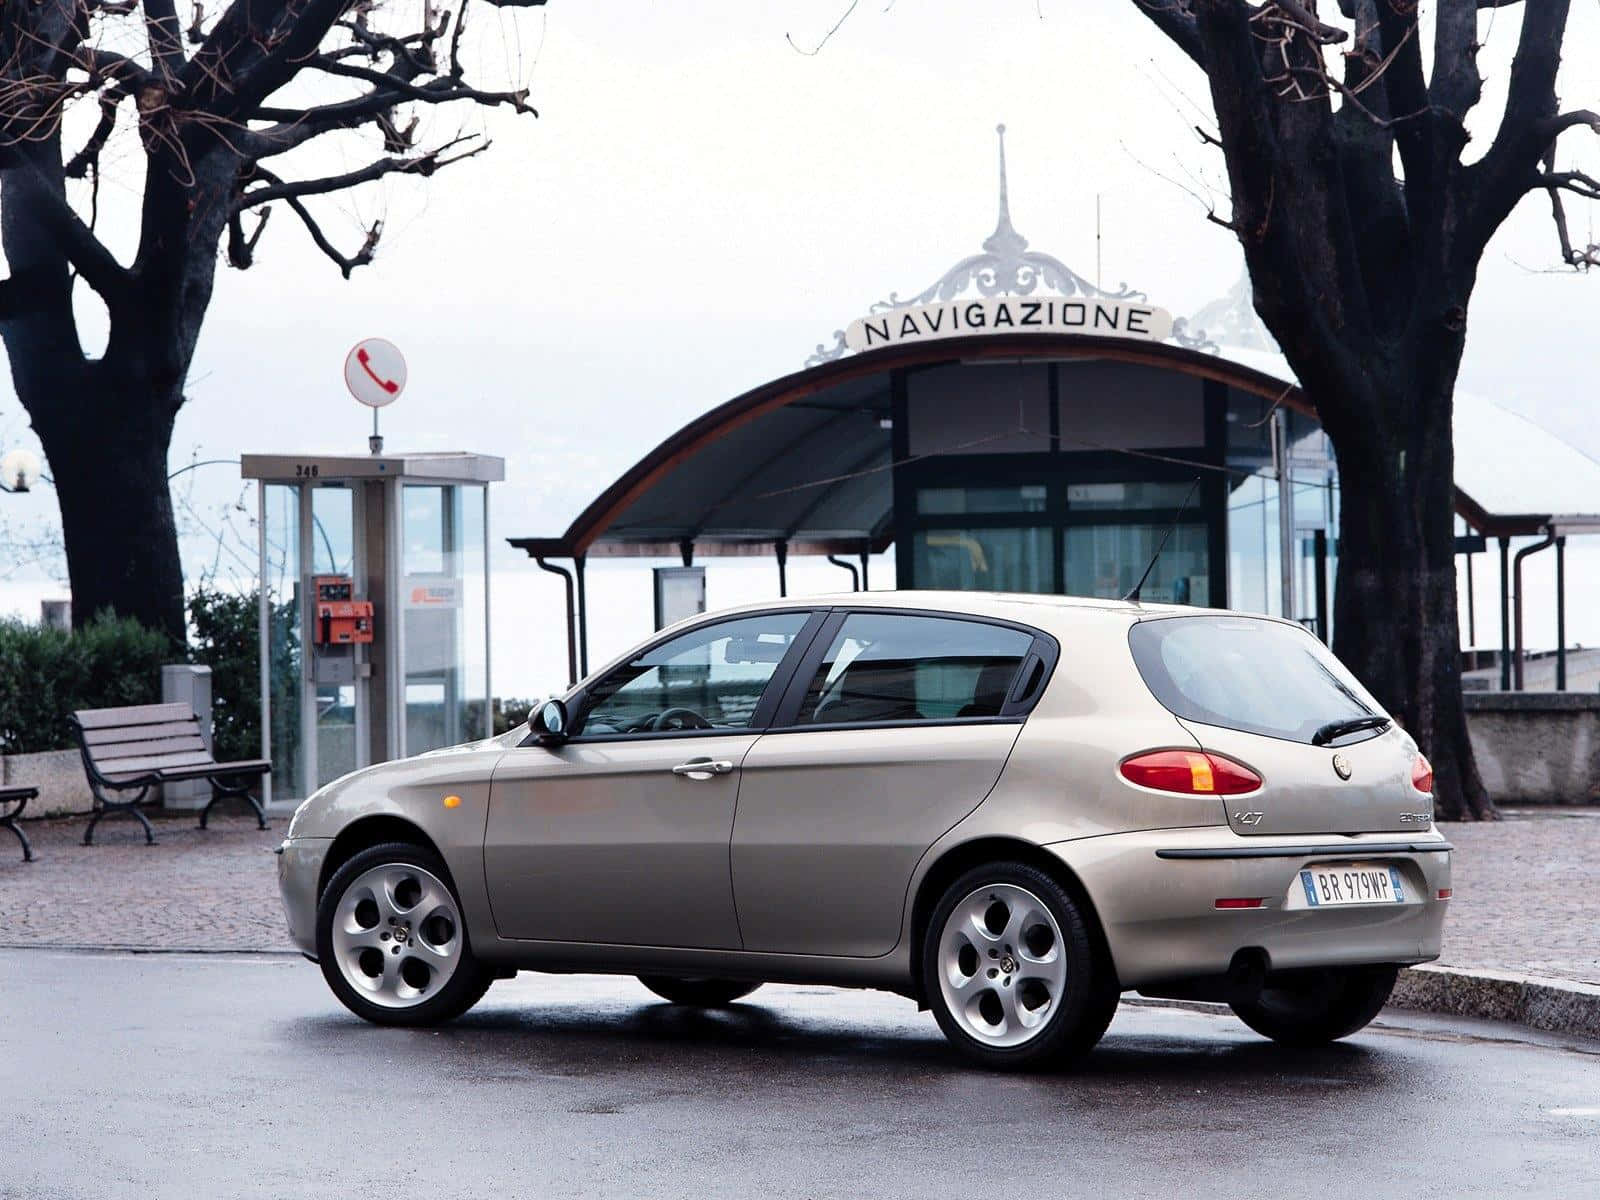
<point x="45" y="674"/>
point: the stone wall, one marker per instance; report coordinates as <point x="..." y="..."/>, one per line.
<point x="1537" y="747"/>
<point x="58" y="774"/>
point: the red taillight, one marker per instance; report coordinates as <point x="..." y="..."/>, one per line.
<point x="1446" y="893"/>
<point x="1422" y="776"/>
<point x="1240" y="902"/>
<point x="1190" y="773"/>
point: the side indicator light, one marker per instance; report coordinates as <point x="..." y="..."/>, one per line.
<point x="1446" y="893"/>
<point x="452" y="801"/>
<point x="1241" y="902"/>
<point x="1189" y="773"/>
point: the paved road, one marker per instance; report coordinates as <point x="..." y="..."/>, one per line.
<point x="187" y="1076"/>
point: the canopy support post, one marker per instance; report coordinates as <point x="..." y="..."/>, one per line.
<point x="1516" y="575"/>
<point x="866" y="553"/>
<point x="686" y="550"/>
<point x="572" y="623"/>
<point x="855" y="580"/>
<point x="1505" y="614"/>
<point x="578" y="561"/>
<point x="1561" y="614"/>
<point x="782" y="547"/>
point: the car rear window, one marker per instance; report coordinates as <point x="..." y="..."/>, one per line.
<point x="1241" y="673"/>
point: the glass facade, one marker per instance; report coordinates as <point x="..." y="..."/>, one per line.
<point x="1134" y="455"/>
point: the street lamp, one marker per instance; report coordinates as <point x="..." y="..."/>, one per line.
<point x="19" y="470"/>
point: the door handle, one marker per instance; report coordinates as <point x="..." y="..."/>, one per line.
<point x="703" y="768"/>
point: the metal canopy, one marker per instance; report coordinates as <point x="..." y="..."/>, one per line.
<point x="804" y="460"/>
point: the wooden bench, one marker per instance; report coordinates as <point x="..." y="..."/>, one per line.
<point x="146" y="745"/>
<point x="20" y="797"/>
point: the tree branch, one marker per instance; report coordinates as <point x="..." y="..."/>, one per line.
<point x="435" y="91"/>
<point x="166" y="37"/>
<point x="423" y="164"/>
<point x="346" y="263"/>
<point x="1173" y="18"/>
<point x="87" y="254"/>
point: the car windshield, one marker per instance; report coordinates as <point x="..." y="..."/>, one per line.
<point x="1253" y="675"/>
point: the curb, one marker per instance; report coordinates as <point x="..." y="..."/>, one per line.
<point x="1551" y="1005"/>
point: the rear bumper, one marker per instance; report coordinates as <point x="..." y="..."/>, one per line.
<point x="1161" y="921"/>
<point x="299" y="867"/>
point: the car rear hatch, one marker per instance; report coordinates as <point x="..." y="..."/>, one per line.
<point x="1271" y="696"/>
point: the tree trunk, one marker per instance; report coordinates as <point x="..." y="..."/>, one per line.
<point x="1395" y="619"/>
<point x="108" y="457"/>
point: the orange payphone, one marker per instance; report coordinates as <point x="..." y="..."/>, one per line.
<point x="341" y="620"/>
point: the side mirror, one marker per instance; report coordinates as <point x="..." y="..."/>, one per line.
<point x="548" y="723"/>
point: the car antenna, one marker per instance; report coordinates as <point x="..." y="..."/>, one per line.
<point x="1133" y="596"/>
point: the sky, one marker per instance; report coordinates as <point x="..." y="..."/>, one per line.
<point x="698" y="204"/>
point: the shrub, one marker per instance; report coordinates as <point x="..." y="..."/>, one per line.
<point x="224" y="635"/>
<point x="45" y="674"/>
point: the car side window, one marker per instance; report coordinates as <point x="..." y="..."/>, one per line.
<point x="708" y="678"/>
<point x="895" y="667"/>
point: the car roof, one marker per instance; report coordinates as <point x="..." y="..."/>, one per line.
<point x="1018" y="606"/>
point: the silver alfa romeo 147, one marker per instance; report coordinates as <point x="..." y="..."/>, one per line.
<point x="1010" y="809"/>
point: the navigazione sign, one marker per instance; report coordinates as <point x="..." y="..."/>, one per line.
<point x="1010" y="314"/>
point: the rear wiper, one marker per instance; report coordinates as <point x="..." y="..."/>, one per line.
<point x="1337" y="729"/>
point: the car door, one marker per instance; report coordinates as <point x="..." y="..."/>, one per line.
<point x="620" y="835"/>
<point x="895" y="727"/>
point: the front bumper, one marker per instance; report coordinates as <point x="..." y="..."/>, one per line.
<point x="1160" y="917"/>
<point x="299" y="868"/>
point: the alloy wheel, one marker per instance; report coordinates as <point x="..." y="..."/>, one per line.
<point x="397" y="935"/>
<point x="1002" y="967"/>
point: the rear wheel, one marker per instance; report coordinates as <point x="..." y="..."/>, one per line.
<point x="1010" y="970"/>
<point x="699" y="993"/>
<point x="1313" y="1008"/>
<point x="391" y="942"/>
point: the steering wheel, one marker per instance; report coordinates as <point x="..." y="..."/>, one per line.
<point x="678" y="718"/>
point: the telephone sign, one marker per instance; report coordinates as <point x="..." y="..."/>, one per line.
<point x="375" y="371"/>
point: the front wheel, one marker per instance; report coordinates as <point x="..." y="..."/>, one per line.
<point x="1313" y="1008"/>
<point x="1010" y="970"/>
<point x="698" y="993"/>
<point x="391" y="942"/>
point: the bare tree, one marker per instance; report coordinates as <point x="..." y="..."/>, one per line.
<point x="1363" y="220"/>
<point x="217" y="101"/>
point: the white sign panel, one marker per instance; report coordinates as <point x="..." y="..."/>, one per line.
<point x="375" y="371"/>
<point x="1010" y="314"/>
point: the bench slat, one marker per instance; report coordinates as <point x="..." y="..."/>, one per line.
<point x="7" y="794"/>
<point x="254" y="767"/>
<point x="134" y="714"/>
<point x="123" y="767"/>
<point x="143" y="749"/>
<point x="139" y="733"/>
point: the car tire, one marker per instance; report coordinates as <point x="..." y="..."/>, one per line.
<point x="1059" y="994"/>
<point x="1313" y="1008"/>
<point x="391" y="941"/>
<point x="698" y="993"/>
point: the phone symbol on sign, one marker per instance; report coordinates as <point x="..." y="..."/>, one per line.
<point x="388" y="385"/>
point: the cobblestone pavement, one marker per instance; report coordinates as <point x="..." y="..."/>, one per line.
<point x="1525" y="890"/>
<point x="213" y="889"/>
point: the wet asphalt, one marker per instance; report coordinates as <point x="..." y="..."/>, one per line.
<point x="201" y="1076"/>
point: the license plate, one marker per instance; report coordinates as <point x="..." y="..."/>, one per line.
<point x="1353" y="883"/>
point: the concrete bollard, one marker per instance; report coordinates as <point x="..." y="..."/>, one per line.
<point x="191" y="685"/>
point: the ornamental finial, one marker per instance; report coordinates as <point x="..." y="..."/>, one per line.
<point x="1005" y="239"/>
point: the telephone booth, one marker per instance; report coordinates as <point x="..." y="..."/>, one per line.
<point x="374" y="609"/>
